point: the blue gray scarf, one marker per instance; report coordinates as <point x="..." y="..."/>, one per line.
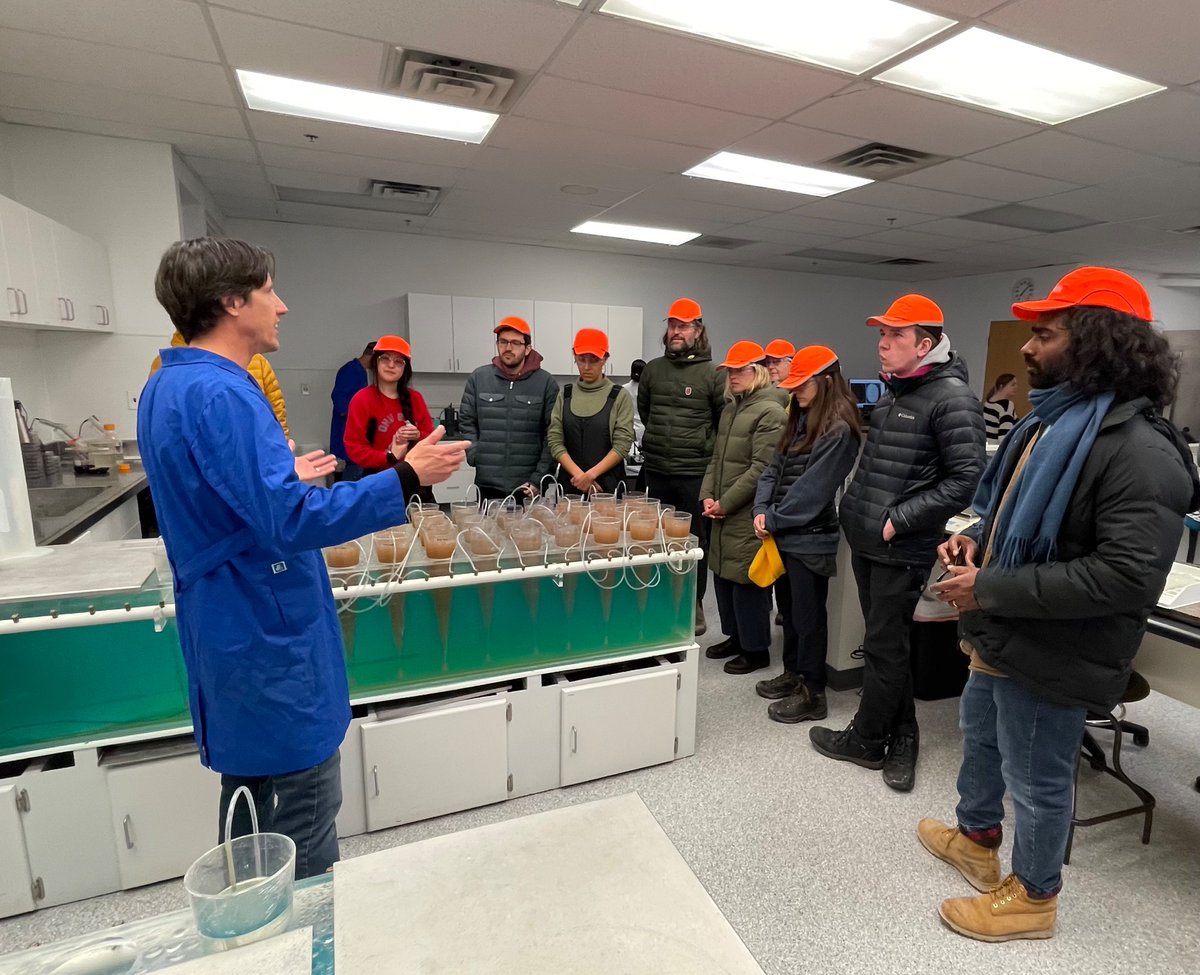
<point x="1029" y="524"/>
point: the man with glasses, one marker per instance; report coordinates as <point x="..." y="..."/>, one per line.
<point x="680" y="399"/>
<point x="505" y="414"/>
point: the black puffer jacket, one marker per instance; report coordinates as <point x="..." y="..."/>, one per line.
<point x="1069" y="628"/>
<point x="921" y="463"/>
<point x="680" y="400"/>
<point x="506" y="421"/>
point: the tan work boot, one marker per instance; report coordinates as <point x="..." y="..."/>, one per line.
<point x="1003" y="914"/>
<point x="978" y="864"/>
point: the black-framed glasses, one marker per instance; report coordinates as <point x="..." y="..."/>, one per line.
<point x="509" y="343"/>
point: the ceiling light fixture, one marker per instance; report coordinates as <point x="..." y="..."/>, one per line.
<point x="849" y="35"/>
<point x="991" y="71"/>
<point x="732" y="167"/>
<point x="628" y="231"/>
<point x="307" y="99"/>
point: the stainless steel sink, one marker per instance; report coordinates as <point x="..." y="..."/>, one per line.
<point x="54" y="502"/>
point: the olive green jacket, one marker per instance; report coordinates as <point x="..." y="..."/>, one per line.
<point x="747" y="436"/>
<point x="679" y="401"/>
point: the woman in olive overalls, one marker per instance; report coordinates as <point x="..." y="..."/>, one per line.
<point x="591" y="425"/>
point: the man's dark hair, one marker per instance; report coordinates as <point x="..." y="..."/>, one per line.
<point x="931" y="332"/>
<point x="1113" y="351"/>
<point x="195" y="275"/>
<point x="368" y="348"/>
<point x="635" y="369"/>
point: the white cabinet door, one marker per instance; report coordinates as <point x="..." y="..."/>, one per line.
<point x="435" y="762"/>
<point x="84" y="279"/>
<point x="624" y="338"/>
<point x="16" y="262"/>
<point x="521" y="307"/>
<point x="474" y="332"/>
<point x="552" y="334"/>
<point x="588" y="316"/>
<point x="16" y="883"/>
<point x="431" y="333"/>
<point x="164" y="815"/>
<point x="612" y="726"/>
<point x="46" y="303"/>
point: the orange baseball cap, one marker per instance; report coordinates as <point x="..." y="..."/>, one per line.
<point x="513" y="323"/>
<point x="743" y="353"/>
<point x="393" y="343"/>
<point x="590" y="341"/>
<point x="806" y="363"/>
<point x="685" y="310"/>
<point x="1101" y="286"/>
<point x="909" y="310"/>
<point x="780" y="349"/>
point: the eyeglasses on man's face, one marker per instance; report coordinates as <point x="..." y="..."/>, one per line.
<point x="392" y="360"/>
<point x="675" y="326"/>
<point x="509" y="343"/>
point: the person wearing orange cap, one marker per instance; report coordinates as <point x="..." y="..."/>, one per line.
<point x="591" y="425"/>
<point x="746" y="437"/>
<point x="680" y="400"/>
<point x="1082" y="510"/>
<point x="388" y="416"/>
<point x="795" y="505"/>
<point x="778" y="361"/>
<point x="922" y="459"/>
<point x="505" y="414"/>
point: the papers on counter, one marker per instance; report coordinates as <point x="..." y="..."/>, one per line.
<point x="1183" y="586"/>
<point x="961" y="522"/>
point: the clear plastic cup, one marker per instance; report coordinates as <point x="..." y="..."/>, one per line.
<point x="527" y="535"/>
<point x="677" y="524"/>
<point x="642" y="526"/>
<point x="392" y="545"/>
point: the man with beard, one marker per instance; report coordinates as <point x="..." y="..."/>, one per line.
<point x="1082" y="512"/>
<point x="680" y="400"/>
<point x="505" y="414"/>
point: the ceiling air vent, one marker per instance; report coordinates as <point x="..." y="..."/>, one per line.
<point x="881" y="161"/>
<point x="824" y="254"/>
<point x="1187" y="230"/>
<point x="387" y="189"/>
<point x="1024" y="217"/>
<point x="719" y="243"/>
<point x="905" y="261"/>
<point x="381" y="195"/>
<point x="439" y="78"/>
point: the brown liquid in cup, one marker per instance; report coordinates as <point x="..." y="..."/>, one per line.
<point x="643" y="529"/>
<point x="342" y="556"/>
<point x="677" y="527"/>
<point x="441" y="547"/>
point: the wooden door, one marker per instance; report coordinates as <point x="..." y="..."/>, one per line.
<point x="1004" y="355"/>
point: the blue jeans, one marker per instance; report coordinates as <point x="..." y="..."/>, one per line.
<point x="302" y="805"/>
<point x="1014" y="740"/>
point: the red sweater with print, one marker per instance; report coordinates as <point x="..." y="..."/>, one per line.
<point x="370" y="404"/>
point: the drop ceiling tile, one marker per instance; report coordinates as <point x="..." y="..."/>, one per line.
<point x="633" y="57"/>
<point x="973" y="230"/>
<point x="331" y="216"/>
<point x="1060" y="155"/>
<point x="627" y="113"/>
<point x="795" y="144"/>
<point x="259" y="44"/>
<point x="798" y="223"/>
<point x="140" y="109"/>
<point x="1175" y="220"/>
<point x="251" y="189"/>
<point x="174" y="27"/>
<point x="916" y="198"/>
<point x="566" y="165"/>
<point x="976" y="179"/>
<point x="911" y="240"/>
<point x="325" y="182"/>
<point x="524" y="211"/>
<point x="238" y="207"/>
<point x="880" y="218"/>
<point x="790" y="239"/>
<point x="208" y="166"/>
<point x="1162" y="124"/>
<point x="662" y="201"/>
<point x="1151" y="39"/>
<point x="359" y="167"/>
<point x="359" y="140"/>
<point x="531" y="135"/>
<point x="731" y="194"/>
<point x="104" y="66"/>
<point x="1128" y="199"/>
<point x="519" y="34"/>
<point x="879" y="114"/>
<point x="545" y="186"/>
<point x="962" y="9"/>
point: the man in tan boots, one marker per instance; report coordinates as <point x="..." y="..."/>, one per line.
<point x="1082" y="510"/>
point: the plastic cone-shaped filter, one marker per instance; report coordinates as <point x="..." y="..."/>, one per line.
<point x="443" y="606"/>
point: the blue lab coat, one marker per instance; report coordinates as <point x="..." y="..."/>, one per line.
<point x="257" y="621"/>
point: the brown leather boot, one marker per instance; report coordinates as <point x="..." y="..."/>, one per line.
<point x="978" y="864"/>
<point x="1004" y="914"/>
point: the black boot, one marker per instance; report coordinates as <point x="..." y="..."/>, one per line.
<point x="729" y="647"/>
<point x="779" y="687"/>
<point x="848" y="746"/>
<point x="900" y="767"/>
<point x="804" y="705"/>
<point x="748" y="663"/>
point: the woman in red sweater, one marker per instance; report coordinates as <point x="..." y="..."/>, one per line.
<point x="386" y="418"/>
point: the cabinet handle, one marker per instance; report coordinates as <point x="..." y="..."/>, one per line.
<point x="23" y="804"/>
<point x="62" y="309"/>
<point x="574" y="739"/>
<point x="456" y="365"/>
<point x="14" y="301"/>
<point x="24" y="302"/>
<point x="71" y="308"/>
<point x="449" y="365"/>
<point x="375" y="776"/>
<point x="127" y="825"/>
<point x="107" y="320"/>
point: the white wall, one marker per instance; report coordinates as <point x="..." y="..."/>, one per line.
<point x="6" y="180"/>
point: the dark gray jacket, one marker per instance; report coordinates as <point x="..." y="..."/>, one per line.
<point x="1069" y="629"/>
<point x="922" y="461"/>
<point x="506" y="421"/>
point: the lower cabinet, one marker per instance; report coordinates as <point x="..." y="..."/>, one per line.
<point x="435" y="762"/>
<point x="16" y="882"/>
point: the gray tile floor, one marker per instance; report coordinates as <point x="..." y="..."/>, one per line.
<point x="816" y="864"/>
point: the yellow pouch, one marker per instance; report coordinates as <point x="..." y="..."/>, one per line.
<point x="767" y="565"/>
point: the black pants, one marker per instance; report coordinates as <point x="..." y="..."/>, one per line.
<point x="888" y="595"/>
<point x="801" y="594"/>
<point x="745" y="613"/>
<point x="683" y="491"/>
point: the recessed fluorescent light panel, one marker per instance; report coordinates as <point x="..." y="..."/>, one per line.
<point x="732" y="167"/>
<point x="628" y="231"/>
<point x="985" y="69"/>
<point x="849" y="35"/>
<point x="307" y="99"/>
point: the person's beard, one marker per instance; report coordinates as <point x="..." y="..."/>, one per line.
<point x="1045" y="376"/>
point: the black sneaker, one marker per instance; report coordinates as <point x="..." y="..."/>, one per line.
<point x="748" y="663"/>
<point x="805" y="705"/>
<point x="779" y="687"/>
<point x="848" y="746"/>
<point x="900" y="767"/>
<point x="779" y="619"/>
<point x="728" y="647"/>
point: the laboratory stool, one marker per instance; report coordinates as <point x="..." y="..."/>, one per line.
<point x="1137" y="690"/>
